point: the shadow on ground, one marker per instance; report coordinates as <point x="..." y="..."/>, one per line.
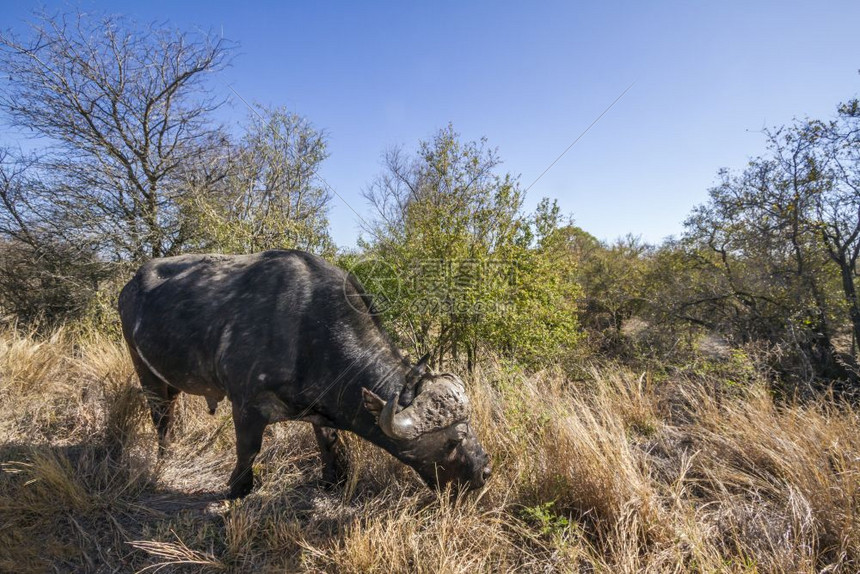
<point x="80" y="507"/>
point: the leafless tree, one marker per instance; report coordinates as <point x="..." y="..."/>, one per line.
<point x="126" y="115"/>
<point x="273" y="196"/>
<point x="44" y="278"/>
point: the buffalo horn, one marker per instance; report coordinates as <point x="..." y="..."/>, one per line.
<point x="439" y="405"/>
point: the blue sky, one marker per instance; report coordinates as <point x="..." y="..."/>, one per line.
<point x="531" y="77"/>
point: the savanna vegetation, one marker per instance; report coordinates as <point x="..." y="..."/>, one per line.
<point x="683" y="407"/>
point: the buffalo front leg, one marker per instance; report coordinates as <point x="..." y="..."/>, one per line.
<point x="250" y="425"/>
<point x="333" y="455"/>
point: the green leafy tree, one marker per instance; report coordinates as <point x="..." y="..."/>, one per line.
<point x="449" y="228"/>
<point x="780" y="241"/>
<point x="613" y="285"/>
<point x="540" y="321"/>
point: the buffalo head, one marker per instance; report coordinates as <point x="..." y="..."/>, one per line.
<point x="429" y="423"/>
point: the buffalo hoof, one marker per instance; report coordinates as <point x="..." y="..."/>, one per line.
<point x="334" y="475"/>
<point x="241" y="487"/>
<point x="240" y="491"/>
<point x="332" y="482"/>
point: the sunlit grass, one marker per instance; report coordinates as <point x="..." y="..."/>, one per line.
<point x="610" y="473"/>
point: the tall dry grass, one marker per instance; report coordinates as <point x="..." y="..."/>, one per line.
<point x="613" y="472"/>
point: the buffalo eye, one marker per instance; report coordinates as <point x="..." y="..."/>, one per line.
<point x="452" y="443"/>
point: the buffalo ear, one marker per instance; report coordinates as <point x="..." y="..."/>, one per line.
<point x="372" y="402"/>
<point x="407" y="392"/>
<point x="416" y="372"/>
<point x="421" y="365"/>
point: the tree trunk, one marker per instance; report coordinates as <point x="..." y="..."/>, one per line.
<point x="850" y="292"/>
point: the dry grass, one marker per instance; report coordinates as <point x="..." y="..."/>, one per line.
<point x="612" y="473"/>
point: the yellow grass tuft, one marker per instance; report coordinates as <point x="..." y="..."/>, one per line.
<point x="612" y="472"/>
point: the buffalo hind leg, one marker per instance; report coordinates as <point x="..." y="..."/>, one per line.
<point x="250" y="425"/>
<point x="161" y="398"/>
<point x="162" y="409"/>
<point x="333" y="455"/>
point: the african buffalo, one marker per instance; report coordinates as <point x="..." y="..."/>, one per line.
<point x="284" y="335"/>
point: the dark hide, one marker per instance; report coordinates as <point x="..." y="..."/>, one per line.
<point x="283" y="335"/>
